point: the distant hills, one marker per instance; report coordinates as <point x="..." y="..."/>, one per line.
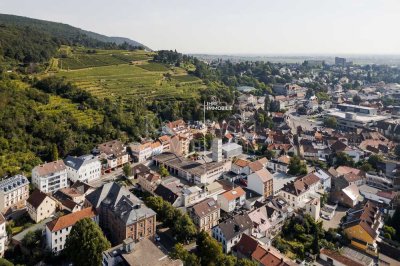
<point x="65" y="33"/>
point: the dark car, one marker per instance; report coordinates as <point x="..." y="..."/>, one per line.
<point x="243" y="181"/>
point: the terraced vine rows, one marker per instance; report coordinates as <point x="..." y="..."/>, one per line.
<point x="57" y="104"/>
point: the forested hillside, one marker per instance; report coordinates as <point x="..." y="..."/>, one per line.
<point x="80" y="95"/>
<point x="26" y="44"/>
<point x="28" y="133"/>
<point x="67" y="34"/>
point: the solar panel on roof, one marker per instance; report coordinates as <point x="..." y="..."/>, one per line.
<point x="211" y="203"/>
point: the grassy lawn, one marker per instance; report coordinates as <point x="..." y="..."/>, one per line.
<point x="17" y="229"/>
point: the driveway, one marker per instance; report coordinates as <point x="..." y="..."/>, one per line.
<point x="39" y="226"/>
<point x="340" y="212"/>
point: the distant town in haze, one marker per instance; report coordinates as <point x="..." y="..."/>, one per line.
<point x="113" y="152"/>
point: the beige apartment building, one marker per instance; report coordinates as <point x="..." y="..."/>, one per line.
<point x="40" y="206"/>
<point x="14" y="192"/>
<point x="205" y="214"/>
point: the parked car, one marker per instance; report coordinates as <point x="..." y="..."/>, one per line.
<point x="243" y="181"/>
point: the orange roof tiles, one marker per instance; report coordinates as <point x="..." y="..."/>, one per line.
<point x="234" y="193"/>
<point x="241" y="163"/>
<point x="339" y="257"/>
<point x="52" y="167"/>
<point x="342" y="170"/>
<point x="164" y="138"/>
<point x="70" y="219"/>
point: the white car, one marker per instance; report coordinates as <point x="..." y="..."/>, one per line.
<point x="326" y="217"/>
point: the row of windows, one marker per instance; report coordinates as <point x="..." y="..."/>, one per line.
<point x="62" y="230"/>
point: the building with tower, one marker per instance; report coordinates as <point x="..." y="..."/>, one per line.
<point x="217" y="150"/>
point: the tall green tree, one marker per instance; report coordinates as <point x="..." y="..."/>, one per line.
<point x="330" y="122"/>
<point x="374" y="159"/>
<point x="54" y="152"/>
<point x="266" y="103"/>
<point x="356" y="99"/>
<point x="209" y="250"/>
<point x="274" y="106"/>
<point x="86" y="243"/>
<point x="296" y="166"/>
<point x="315" y="244"/>
<point x="179" y="252"/>
<point x="32" y="239"/>
<point x="163" y="171"/>
<point x="127" y="170"/>
<point x="4" y="262"/>
<point x="343" y="159"/>
<point x="394" y="222"/>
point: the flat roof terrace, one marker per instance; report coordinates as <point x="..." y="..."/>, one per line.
<point x="357" y="116"/>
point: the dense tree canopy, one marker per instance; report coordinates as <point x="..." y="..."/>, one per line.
<point x="86" y="243"/>
<point x="296" y="166"/>
<point x="330" y="122"/>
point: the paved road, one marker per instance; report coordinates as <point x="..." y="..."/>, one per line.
<point x="39" y="226"/>
<point x="166" y="239"/>
<point x="306" y="122"/>
<point x="107" y="177"/>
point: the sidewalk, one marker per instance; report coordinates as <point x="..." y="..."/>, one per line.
<point x="42" y="225"/>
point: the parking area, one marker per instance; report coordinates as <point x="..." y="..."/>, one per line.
<point x="280" y="179"/>
<point x="340" y="212"/>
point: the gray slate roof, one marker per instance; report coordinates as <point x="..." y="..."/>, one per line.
<point x="121" y="202"/>
<point x="78" y="162"/>
<point x="236" y="225"/>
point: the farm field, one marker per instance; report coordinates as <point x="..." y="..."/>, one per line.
<point x="144" y="81"/>
<point x="77" y="58"/>
<point x="57" y="104"/>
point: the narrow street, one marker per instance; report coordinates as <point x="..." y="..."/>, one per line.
<point x="108" y="177"/>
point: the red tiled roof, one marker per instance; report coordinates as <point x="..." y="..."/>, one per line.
<point x="340" y="258"/>
<point x="267" y="258"/>
<point x="301" y="184"/>
<point x="387" y="194"/>
<point x="256" y="166"/>
<point x="342" y="170"/>
<point x="241" y="163"/>
<point x="234" y="193"/>
<point x="52" y="167"/>
<point x="70" y="219"/>
<point x="228" y="136"/>
<point x="164" y="138"/>
<point x="246" y="246"/>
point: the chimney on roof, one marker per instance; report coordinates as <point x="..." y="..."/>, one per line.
<point x="128" y="245"/>
<point x="236" y="228"/>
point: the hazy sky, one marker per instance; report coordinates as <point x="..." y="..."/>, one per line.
<point x="232" y="26"/>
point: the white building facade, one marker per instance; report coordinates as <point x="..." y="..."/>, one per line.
<point x="58" y="230"/>
<point x="50" y="177"/>
<point x="85" y="168"/>
<point x="14" y="192"/>
<point x="3" y="235"/>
